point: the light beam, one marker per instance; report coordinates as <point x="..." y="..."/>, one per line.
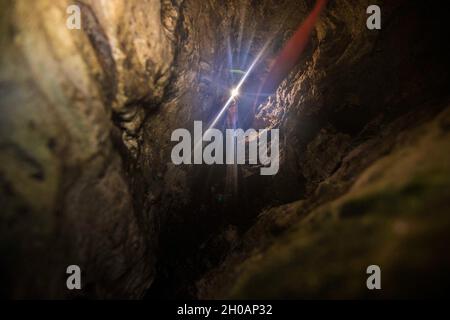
<point x="235" y="91"/>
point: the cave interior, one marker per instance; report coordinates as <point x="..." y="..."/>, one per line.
<point x="86" y="175"/>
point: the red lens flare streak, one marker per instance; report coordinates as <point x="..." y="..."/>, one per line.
<point x="291" y="52"/>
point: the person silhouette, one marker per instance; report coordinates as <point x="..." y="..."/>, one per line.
<point x="232" y="115"/>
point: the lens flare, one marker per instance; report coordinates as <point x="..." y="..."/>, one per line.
<point x="235" y="91"/>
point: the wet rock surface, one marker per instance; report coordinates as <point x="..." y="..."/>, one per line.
<point x="86" y="175"/>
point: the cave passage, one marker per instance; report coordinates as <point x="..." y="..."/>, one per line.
<point x="223" y="149"/>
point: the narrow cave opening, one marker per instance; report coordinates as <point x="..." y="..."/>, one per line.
<point x="87" y="168"/>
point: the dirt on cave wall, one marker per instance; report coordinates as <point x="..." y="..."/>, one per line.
<point x="85" y="145"/>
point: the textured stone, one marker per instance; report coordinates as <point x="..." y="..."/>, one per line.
<point x="67" y="200"/>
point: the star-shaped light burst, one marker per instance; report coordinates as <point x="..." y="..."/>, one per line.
<point x="235" y="91"/>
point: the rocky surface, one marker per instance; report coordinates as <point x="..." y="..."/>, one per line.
<point x="393" y="213"/>
<point x="86" y="177"/>
<point x="65" y="194"/>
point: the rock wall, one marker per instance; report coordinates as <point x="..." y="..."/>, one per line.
<point x="362" y="145"/>
<point x="69" y="100"/>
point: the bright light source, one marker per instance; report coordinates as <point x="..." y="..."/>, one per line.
<point x="235" y="91"/>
